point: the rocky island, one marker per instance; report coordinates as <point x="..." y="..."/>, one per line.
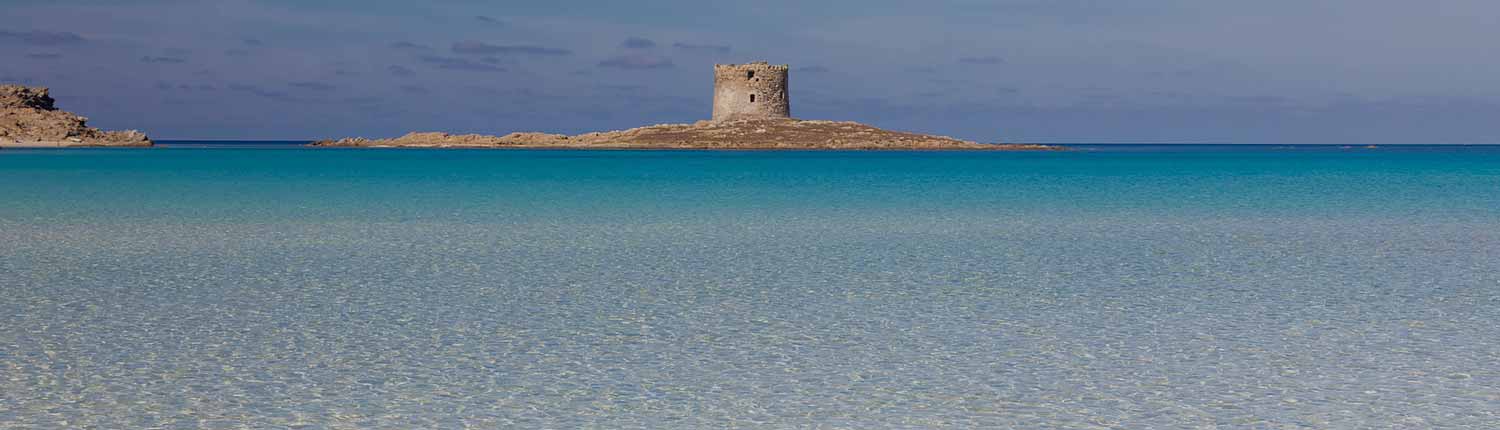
<point x="751" y="110"/>
<point x="737" y="134"/>
<point x="29" y="118"/>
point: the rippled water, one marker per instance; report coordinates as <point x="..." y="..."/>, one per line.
<point x="1106" y="287"/>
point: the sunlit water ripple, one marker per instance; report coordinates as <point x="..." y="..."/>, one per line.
<point x="1186" y="288"/>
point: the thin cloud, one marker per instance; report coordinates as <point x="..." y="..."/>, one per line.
<point x="168" y="86"/>
<point x="489" y="20"/>
<point x="253" y="42"/>
<point x="402" y="71"/>
<point x="982" y="61"/>
<point x="163" y="60"/>
<point x="261" y="92"/>
<point x="43" y="38"/>
<point x="413" y="89"/>
<point x="236" y="52"/>
<point x="471" y="47"/>
<point x="637" y="62"/>
<point x="44" y="56"/>
<point x="717" y="49"/>
<point x="514" y="93"/>
<point x="312" y="86"/>
<point x="27" y="80"/>
<point x="638" y="43"/>
<point x="1258" y="99"/>
<point x="621" y="88"/>
<point x="410" y="46"/>
<point x="450" y="63"/>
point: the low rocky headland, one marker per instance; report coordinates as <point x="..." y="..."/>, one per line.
<point x="29" y="118"/>
<point x="731" y="135"/>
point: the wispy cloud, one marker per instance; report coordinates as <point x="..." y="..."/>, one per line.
<point x="1258" y="99"/>
<point x="163" y="60"/>
<point x="637" y="62"/>
<point x="638" y="43"/>
<point x="982" y="61"/>
<point x="480" y="48"/>
<point x="261" y="92"/>
<point x="489" y="20"/>
<point x="168" y="86"/>
<point x="312" y="86"/>
<point x="450" y="63"/>
<point x="634" y="88"/>
<point x="718" y="49"/>
<point x="42" y="38"/>
<point x="25" y="80"/>
<point x="44" y="56"/>
<point x="404" y="45"/>
<point x="402" y="71"/>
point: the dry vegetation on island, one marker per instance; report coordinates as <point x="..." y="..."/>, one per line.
<point x="744" y="134"/>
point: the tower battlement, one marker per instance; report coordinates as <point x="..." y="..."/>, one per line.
<point x="753" y="65"/>
<point x="755" y="90"/>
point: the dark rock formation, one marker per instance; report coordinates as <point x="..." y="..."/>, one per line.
<point x="28" y="117"/>
<point x="747" y="134"/>
<point x="16" y="96"/>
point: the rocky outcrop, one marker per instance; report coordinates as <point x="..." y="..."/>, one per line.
<point x="19" y="97"/>
<point x="748" y="134"/>
<point x="29" y="118"/>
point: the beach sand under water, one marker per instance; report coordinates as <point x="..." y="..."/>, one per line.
<point x="1103" y="287"/>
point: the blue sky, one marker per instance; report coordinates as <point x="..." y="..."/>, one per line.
<point x="1269" y="71"/>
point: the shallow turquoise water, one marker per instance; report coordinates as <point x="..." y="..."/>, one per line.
<point x="1130" y="287"/>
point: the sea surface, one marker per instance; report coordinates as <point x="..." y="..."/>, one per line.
<point x="266" y="285"/>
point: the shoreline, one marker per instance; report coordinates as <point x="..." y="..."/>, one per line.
<point x="994" y="147"/>
<point x="628" y="147"/>
<point x="68" y="144"/>
<point x="760" y="134"/>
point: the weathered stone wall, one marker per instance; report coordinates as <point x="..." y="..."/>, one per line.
<point x="751" y="91"/>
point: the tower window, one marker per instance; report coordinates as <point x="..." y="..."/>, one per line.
<point x="752" y="98"/>
<point x="750" y="74"/>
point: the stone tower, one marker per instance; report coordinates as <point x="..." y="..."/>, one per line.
<point x="751" y="91"/>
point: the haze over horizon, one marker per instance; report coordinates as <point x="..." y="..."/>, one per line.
<point x="1276" y="71"/>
